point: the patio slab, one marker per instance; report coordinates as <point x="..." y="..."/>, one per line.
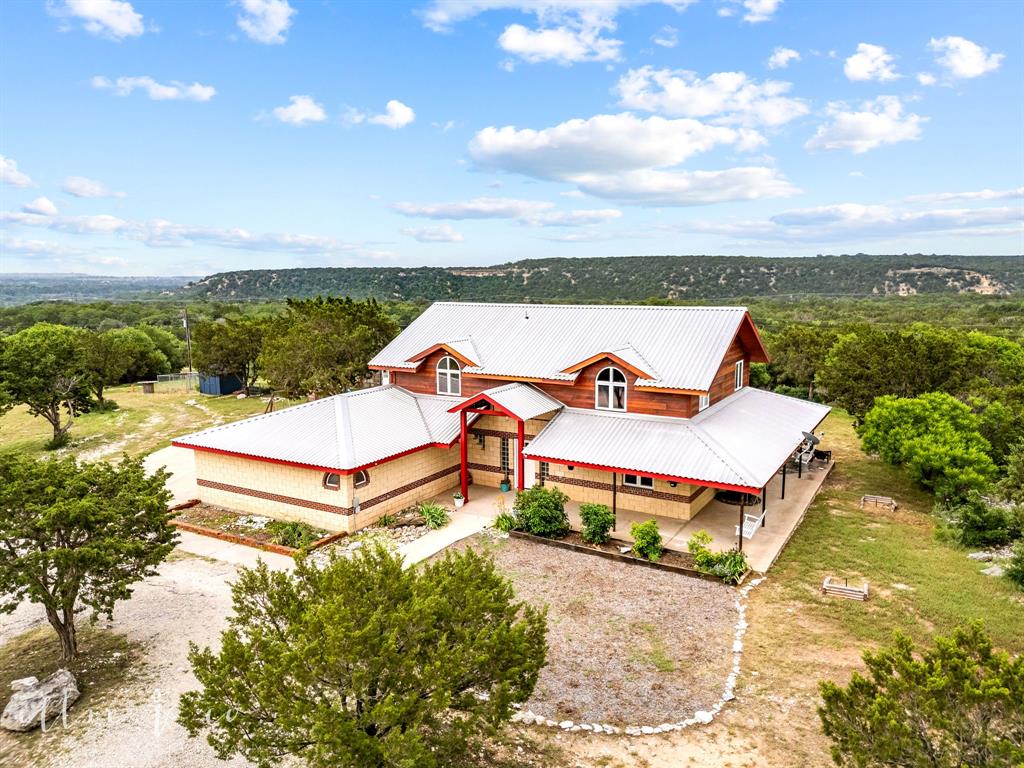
<point x="720" y="519"/>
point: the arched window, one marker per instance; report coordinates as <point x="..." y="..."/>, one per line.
<point x="332" y="481"/>
<point x="361" y="478"/>
<point x="611" y="390"/>
<point x="449" y="377"/>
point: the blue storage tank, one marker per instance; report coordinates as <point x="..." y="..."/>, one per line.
<point x="219" y="385"/>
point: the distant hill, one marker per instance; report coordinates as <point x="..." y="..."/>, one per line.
<point x="632" y="278"/>
<point x="21" y="288"/>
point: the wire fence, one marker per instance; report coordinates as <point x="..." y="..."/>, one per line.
<point x="177" y="382"/>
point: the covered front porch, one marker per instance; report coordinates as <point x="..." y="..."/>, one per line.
<point x="719" y="519"/>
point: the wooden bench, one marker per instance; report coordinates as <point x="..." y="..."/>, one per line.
<point x="833" y="587"/>
<point x="879" y="501"/>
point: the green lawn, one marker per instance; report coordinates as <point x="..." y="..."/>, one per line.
<point x="917" y="583"/>
<point x="142" y="423"/>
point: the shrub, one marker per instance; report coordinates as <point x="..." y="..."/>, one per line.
<point x="505" y="522"/>
<point x="976" y="522"/>
<point x="597" y="522"/>
<point x="1015" y="566"/>
<point x="386" y="521"/>
<point x="728" y="566"/>
<point x="646" y="540"/>
<point x="292" y="534"/>
<point x="541" y="511"/>
<point x="434" y="515"/>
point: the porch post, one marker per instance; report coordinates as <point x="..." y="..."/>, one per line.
<point x="615" y="490"/>
<point x="764" y="492"/>
<point x="520" y="464"/>
<point x="784" y="481"/>
<point x="741" y="527"/>
<point x="464" y="469"/>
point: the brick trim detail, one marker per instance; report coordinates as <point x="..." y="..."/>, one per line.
<point x="295" y="502"/>
<point x="408" y="487"/>
<point x="498" y="433"/>
<point x="320" y="506"/>
<point x="486" y="468"/>
<point x="680" y="498"/>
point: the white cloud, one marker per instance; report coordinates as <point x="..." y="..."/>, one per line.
<point x="730" y="97"/>
<point x="160" y="233"/>
<point x="443" y="233"/>
<point x="568" y="31"/>
<point x="478" y="208"/>
<point x="562" y="45"/>
<point x="396" y="115"/>
<point x="926" y="78"/>
<point x="781" y="57"/>
<point x="964" y="59"/>
<point x="39" y="248"/>
<point x="656" y="187"/>
<point x="760" y="10"/>
<point x="113" y="19"/>
<point x="880" y="121"/>
<point x="300" y="110"/>
<point x="265" y="21"/>
<point x="9" y="173"/>
<point x="623" y="157"/>
<point x="870" y="62"/>
<point x="856" y="174"/>
<point x="667" y="37"/>
<point x="982" y="194"/>
<point x="534" y="213"/>
<point x="846" y="221"/>
<point x="42" y="206"/>
<point x="174" y="90"/>
<point x="80" y="186"/>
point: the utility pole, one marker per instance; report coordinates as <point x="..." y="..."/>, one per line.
<point x="188" y="344"/>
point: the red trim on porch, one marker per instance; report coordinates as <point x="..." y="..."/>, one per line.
<point x="670" y="478"/>
<point x="465" y="407"/>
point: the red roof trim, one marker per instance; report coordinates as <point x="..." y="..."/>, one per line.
<point x="473" y="399"/>
<point x="420" y="356"/>
<point x="670" y="478"/>
<point x="607" y="356"/>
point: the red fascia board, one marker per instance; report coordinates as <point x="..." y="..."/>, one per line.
<point x="670" y="478"/>
<point x="317" y="467"/>
<point x="761" y="354"/>
<point x="466" y="404"/>
<point x="607" y="356"/>
<point x="419" y="357"/>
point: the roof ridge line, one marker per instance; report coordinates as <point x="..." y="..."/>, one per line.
<point x="342" y="415"/>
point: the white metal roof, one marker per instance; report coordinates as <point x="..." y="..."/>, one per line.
<point x="683" y="345"/>
<point x="341" y="432"/>
<point x="741" y="440"/>
<point x="525" y="401"/>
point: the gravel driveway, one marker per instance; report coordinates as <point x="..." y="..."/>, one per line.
<point x="188" y="600"/>
<point x="626" y="644"/>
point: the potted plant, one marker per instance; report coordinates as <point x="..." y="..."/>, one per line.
<point x="459" y="499"/>
<point x="506" y="485"/>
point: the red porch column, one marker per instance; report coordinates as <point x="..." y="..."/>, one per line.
<point x="520" y="464"/>
<point x="463" y="454"/>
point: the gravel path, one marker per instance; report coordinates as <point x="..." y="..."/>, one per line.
<point x="626" y="644"/>
<point x="188" y="600"/>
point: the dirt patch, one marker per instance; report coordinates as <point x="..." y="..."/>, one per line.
<point x="627" y="645"/>
<point x="251" y="528"/>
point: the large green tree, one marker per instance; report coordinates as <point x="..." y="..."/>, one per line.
<point x="78" y="535"/>
<point x="958" y="704"/>
<point x="43" y="368"/>
<point x="118" y="354"/>
<point x="229" y="347"/>
<point x="935" y="438"/>
<point x="366" y="663"/>
<point x="871" y="362"/>
<point x="797" y="353"/>
<point x="323" y="346"/>
<point x="172" y="348"/>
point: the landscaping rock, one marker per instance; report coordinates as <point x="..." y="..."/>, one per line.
<point x="36" y="702"/>
<point x="994" y="570"/>
<point x="981" y="557"/>
<point x="703" y="717"/>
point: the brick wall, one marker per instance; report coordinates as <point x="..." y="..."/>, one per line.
<point x="294" y="493"/>
<point x="594" y="487"/>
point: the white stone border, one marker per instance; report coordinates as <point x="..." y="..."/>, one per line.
<point x="701" y="717"/>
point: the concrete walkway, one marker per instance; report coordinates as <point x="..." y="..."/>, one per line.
<point x="474" y="516"/>
<point x="236" y="554"/>
<point x="181" y="464"/>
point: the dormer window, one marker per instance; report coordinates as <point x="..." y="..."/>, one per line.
<point x="611" y="390"/>
<point x="738" y="384"/>
<point x="449" y="377"/>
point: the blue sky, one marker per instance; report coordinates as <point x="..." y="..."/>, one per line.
<point x="186" y="138"/>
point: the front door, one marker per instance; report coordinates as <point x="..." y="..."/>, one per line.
<point x="529" y="473"/>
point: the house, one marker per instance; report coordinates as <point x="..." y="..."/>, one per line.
<point x="645" y="408"/>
